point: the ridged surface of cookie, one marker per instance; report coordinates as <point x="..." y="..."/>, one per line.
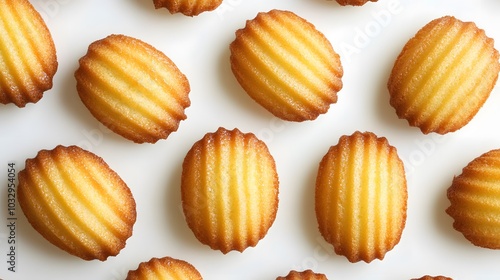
<point x="428" y="277"/>
<point x="475" y="201"/>
<point x="165" y="268"/>
<point x="286" y="65"/>
<point x="303" y="275"/>
<point x="74" y="200"/>
<point x="361" y="197"/>
<point x="354" y="2"/>
<point x="28" y="59"/>
<point x="187" y="7"/>
<point x="229" y="190"/>
<point x="132" y="88"/>
<point x="444" y="75"/>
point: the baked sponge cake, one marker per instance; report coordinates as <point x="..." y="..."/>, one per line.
<point x="286" y="65"/>
<point x="361" y="197"/>
<point x="187" y="7"/>
<point x="354" y="2"/>
<point x="229" y="188"/>
<point x="303" y="275"/>
<point x="443" y="75"/>
<point x="77" y="202"/>
<point x="28" y="60"/>
<point x="475" y="201"/>
<point x="428" y="277"/>
<point x="132" y="88"/>
<point x="165" y="268"/>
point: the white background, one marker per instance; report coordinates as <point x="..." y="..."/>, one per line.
<point x="368" y="38"/>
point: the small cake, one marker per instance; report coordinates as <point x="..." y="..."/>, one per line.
<point x="443" y="75"/>
<point x="28" y="60"/>
<point x="475" y="201"/>
<point x="187" y="7"/>
<point x="77" y="202"/>
<point x="132" y="88"/>
<point x="304" y="275"/>
<point x="165" y="268"/>
<point x="229" y="188"/>
<point x="354" y="2"/>
<point x="427" y="277"/>
<point x="286" y="65"/>
<point x="361" y="197"/>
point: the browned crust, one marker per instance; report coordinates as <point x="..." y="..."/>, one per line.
<point x="38" y="206"/>
<point x="27" y="49"/>
<point x="272" y="88"/>
<point x="339" y="194"/>
<point x="303" y="275"/>
<point x="123" y="115"/>
<point x="187" y="7"/>
<point x="203" y="211"/>
<point x="164" y="267"/>
<point x="428" y="277"/>
<point x="407" y="95"/>
<point x="354" y="2"/>
<point x="474" y="203"/>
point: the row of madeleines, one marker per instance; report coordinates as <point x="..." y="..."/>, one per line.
<point x="229" y="194"/>
<point x="439" y="81"/>
<point x="229" y="186"/>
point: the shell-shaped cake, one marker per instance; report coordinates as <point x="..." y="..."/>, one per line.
<point x="428" y="277"/>
<point x="165" y="268"/>
<point x="187" y="7"/>
<point x="229" y="188"/>
<point x="77" y="202"/>
<point x="28" y="60"/>
<point x="354" y="2"/>
<point x="475" y="201"/>
<point x="443" y="75"/>
<point x="132" y="88"/>
<point x="361" y="197"/>
<point x="303" y="275"/>
<point x="286" y="65"/>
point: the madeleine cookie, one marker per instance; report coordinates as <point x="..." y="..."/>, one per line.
<point x="187" y="7"/>
<point x="361" y="197"/>
<point x="354" y="2"/>
<point x="74" y="200"/>
<point x="443" y="75"/>
<point x="132" y="88"/>
<point x="286" y="65"/>
<point x="304" y="275"/>
<point x="229" y="189"/>
<point x="427" y="277"/>
<point x="164" y="268"/>
<point x="475" y="201"/>
<point x="28" y="59"/>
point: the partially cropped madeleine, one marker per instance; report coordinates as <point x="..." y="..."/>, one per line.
<point x="361" y="197"/>
<point x="77" y="202"/>
<point x="475" y="201"/>
<point x="303" y="275"/>
<point x="443" y="75"/>
<point x="428" y="277"/>
<point x="132" y="88"/>
<point x="165" y="268"/>
<point x="28" y="59"/>
<point x="229" y="189"/>
<point x="187" y="7"/>
<point x="286" y="65"/>
<point x="354" y="2"/>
